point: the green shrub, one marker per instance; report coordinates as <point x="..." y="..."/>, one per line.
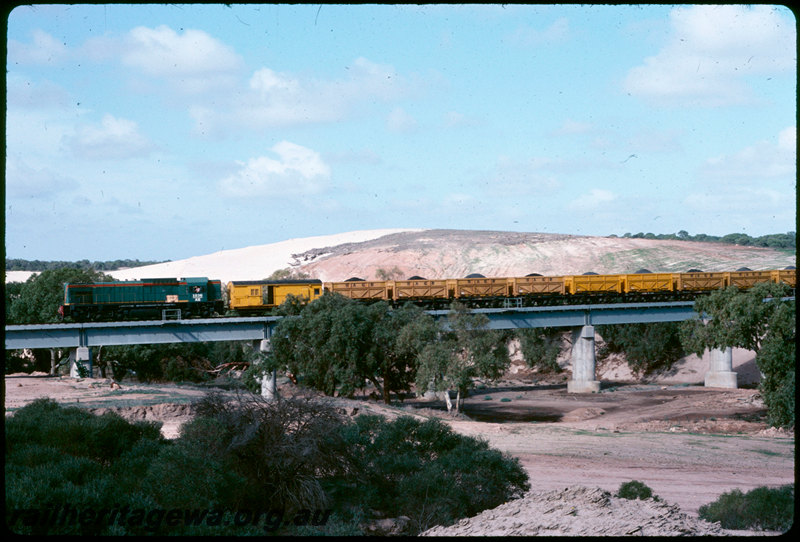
<point x="182" y="476"/>
<point x="635" y="490"/>
<point x="426" y="471"/>
<point x="292" y="455"/>
<point x="179" y="370"/>
<point x="75" y="431"/>
<point x="649" y="348"/>
<point x="284" y="447"/>
<point x="762" y="508"/>
<point x="59" y="458"/>
<point x="540" y="348"/>
<point x="15" y="363"/>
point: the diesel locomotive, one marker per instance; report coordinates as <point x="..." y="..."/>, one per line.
<point x="142" y="299"/>
<point x="203" y="297"/>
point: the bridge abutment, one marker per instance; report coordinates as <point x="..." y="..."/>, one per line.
<point x="720" y="369"/>
<point x="80" y="357"/>
<point x="583" y="362"/>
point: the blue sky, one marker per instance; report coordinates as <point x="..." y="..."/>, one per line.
<point x="171" y="131"/>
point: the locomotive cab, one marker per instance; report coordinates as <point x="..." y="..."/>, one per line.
<point x="197" y="290"/>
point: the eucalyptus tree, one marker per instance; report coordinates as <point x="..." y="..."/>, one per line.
<point x="338" y="345"/>
<point x="466" y="350"/>
<point x="761" y="319"/>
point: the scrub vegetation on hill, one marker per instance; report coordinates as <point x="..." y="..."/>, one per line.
<point x="774" y="240"/>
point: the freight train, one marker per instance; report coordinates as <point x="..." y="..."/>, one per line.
<point x="203" y="297"/>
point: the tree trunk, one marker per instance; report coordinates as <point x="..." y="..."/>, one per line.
<point x="99" y="362"/>
<point x="386" y="385"/>
<point x="447" y="400"/>
<point x="458" y="400"/>
<point x="269" y="386"/>
<point x="383" y="391"/>
<point x="386" y="398"/>
<point x="52" y="362"/>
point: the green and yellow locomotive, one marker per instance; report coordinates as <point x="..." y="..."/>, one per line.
<point x="145" y="298"/>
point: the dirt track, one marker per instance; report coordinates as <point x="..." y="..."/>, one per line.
<point x="688" y="443"/>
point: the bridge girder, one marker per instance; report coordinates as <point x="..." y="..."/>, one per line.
<point x="259" y="328"/>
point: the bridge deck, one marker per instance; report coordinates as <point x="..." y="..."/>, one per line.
<point x="256" y="328"/>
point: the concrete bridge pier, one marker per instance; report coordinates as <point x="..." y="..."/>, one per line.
<point x="720" y="369"/>
<point x="583" y="362"/>
<point x="269" y="383"/>
<point x="80" y="357"/>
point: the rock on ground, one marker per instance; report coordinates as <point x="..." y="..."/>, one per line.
<point x="580" y="511"/>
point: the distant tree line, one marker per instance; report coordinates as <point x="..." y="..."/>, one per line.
<point x="16" y="264"/>
<point x="772" y="240"/>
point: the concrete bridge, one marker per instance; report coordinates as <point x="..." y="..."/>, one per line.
<point x="581" y="319"/>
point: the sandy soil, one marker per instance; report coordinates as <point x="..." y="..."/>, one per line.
<point x="688" y="443"/>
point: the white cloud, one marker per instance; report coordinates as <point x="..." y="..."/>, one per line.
<point x="595" y="199"/>
<point x="266" y="81"/>
<point x="163" y="52"/>
<point x="45" y="49"/>
<point x="573" y="127"/>
<point x="557" y="32"/>
<point x="458" y="201"/>
<point x="454" y="119"/>
<point x="787" y="139"/>
<point x="755" y="186"/>
<point x="24" y="181"/>
<point x="749" y="200"/>
<point x="281" y="99"/>
<point x="522" y="178"/>
<point x="298" y="171"/>
<point x="192" y="62"/>
<point x="401" y="121"/>
<point x="28" y="93"/>
<point x="113" y="138"/>
<point x="711" y="49"/>
<point x="760" y="161"/>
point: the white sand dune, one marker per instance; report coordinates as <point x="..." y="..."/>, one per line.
<point x="250" y="263"/>
<point x="19" y="276"/>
